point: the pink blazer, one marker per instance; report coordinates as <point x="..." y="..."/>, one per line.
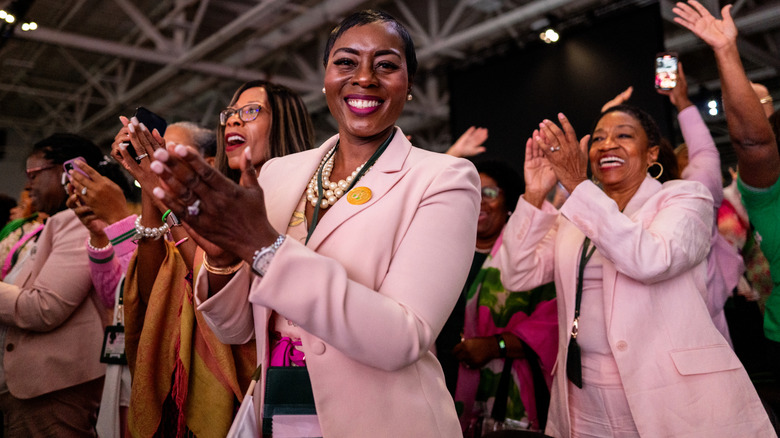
<point x="55" y="319"/>
<point x="680" y="376"/>
<point x="372" y="289"/>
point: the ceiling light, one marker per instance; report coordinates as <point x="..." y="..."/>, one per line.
<point x="3" y="14"/>
<point x="549" y="36"/>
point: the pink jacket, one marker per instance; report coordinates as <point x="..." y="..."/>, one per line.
<point x="680" y="376"/>
<point x="372" y="289"/>
<point x="108" y="265"/>
<point x="55" y="319"/>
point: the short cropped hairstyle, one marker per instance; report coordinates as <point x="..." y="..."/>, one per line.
<point x="369" y="16"/>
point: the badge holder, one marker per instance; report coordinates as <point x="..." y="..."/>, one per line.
<point x="113" y="351"/>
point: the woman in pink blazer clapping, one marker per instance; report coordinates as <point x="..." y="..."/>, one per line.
<point x="343" y="262"/>
<point x="638" y="353"/>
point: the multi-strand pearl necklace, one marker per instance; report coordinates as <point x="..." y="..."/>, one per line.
<point x="333" y="190"/>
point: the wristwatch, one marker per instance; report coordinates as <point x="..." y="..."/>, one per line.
<point x="262" y="258"/>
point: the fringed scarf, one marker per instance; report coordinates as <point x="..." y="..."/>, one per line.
<point x="185" y="382"/>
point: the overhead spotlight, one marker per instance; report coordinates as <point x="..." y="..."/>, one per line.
<point x="3" y="14"/>
<point x="713" y="107"/>
<point x="549" y="36"/>
<point x="29" y="26"/>
<point x="9" y="18"/>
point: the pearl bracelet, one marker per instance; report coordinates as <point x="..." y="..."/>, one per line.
<point x="143" y="232"/>
<point x="89" y="244"/>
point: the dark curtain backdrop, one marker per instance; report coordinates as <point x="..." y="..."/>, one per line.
<point x="510" y="94"/>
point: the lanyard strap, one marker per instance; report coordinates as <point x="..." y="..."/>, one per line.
<point x="321" y="192"/>
<point x="587" y="252"/>
<point x="573" y="356"/>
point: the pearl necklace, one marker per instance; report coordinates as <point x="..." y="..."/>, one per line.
<point x="333" y="190"/>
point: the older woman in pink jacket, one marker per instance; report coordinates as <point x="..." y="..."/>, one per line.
<point x="638" y="353"/>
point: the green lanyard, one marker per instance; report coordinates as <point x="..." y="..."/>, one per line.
<point x="321" y="192"/>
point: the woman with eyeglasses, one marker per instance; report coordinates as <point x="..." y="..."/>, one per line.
<point x="342" y="262"/>
<point x="499" y="345"/>
<point x="174" y="388"/>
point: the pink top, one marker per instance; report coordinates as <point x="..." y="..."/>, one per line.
<point x="107" y="265"/>
<point x="598" y="364"/>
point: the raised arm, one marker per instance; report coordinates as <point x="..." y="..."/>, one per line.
<point x="750" y="132"/>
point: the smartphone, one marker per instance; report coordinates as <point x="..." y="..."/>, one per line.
<point x="68" y="166"/>
<point x="666" y="70"/>
<point x="152" y="121"/>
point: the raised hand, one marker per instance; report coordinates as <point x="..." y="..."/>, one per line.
<point x="679" y="94"/>
<point x="101" y="195"/>
<point x="469" y="143"/>
<point x="567" y="156"/>
<point x="620" y="99"/>
<point x="538" y="173"/>
<point x="696" y="18"/>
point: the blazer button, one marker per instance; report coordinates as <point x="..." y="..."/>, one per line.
<point x="9" y="347"/>
<point x="622" y="345"/>
<point x="318" y="348"/>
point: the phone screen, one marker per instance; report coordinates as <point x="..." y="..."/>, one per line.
<point x="666" y="71"/>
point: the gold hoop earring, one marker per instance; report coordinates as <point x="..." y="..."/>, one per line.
<point x="409" y="96"/>
<point x="660" y="166"/>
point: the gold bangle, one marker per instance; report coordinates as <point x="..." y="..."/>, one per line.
<point x="767" y="99"/>
<point x="227" y="270"/>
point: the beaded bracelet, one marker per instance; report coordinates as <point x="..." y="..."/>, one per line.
<point x="227" y="270"/>
<point x="143" y="232"/>
<point x="89" y="244"/>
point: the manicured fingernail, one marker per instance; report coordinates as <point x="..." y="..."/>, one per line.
<point x="158" y="192"/>
<point x="561" y="116"/>
<point x="248" y="153"/>
<point x="131" y="128"/>
<point x="143" y="127"/>
<point x="180" y="150"/>
<point x="134" y="121"/>
<point x="123" y="146"/>
<point x="161" y="155"/>
<point x="157" y="167"/>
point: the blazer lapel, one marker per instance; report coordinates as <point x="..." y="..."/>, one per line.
<point x="382" y="176"/>
<point x="648" y="188"/>
<point x="296" y="174"/>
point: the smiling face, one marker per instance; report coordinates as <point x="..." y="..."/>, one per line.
<point x="366" y="81"/>
<point x="620" y="152"/>
<point x="256" y="133"/>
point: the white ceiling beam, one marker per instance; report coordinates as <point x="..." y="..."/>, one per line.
<point x="143" y="23"/>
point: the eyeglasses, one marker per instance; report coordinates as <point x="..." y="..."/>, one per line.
<point x="32" y="173"/>
<point x="490" y="193"/>
<point x="246" y="113"/>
